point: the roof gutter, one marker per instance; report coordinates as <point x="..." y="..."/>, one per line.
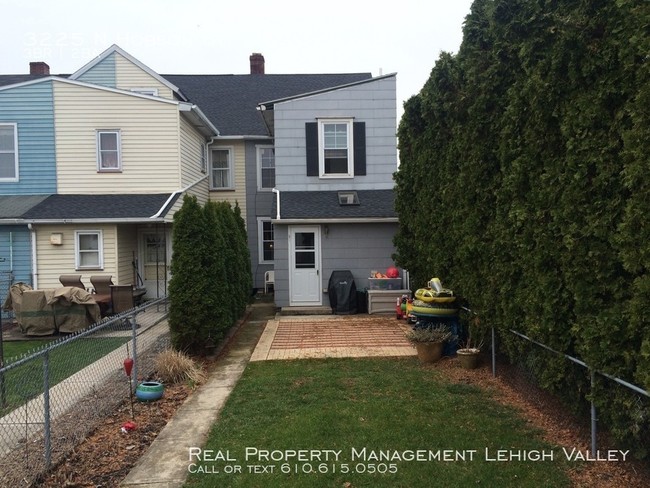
<point x="277" y="202"/>
<point x="174" y="195"/>
<point x="199" y="117"/>
<point x="355" y="220"/>
<point x="128" y="220"/>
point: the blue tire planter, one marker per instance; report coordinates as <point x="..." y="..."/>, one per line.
<point x="149" y="391"/>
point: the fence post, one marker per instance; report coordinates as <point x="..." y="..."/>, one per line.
<point x="136" y="359"/>
<point x="594" y="428"/>
<point x="46" y="408"/>
<point x="3" y="392"/>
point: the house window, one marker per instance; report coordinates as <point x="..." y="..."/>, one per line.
<point x="8" y="152"/>
<point x="266" y="245"/>
<point x="89" y="253"/>
<point x="108" y="150"/>
<point x="348" y="198"/>
<point x="335" y="148"/>
<point x="266" y="167"/>
<point x="221" y="173"/>
<point x="146" y="91"/>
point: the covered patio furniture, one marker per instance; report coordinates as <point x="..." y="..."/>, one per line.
<point x="72" y="280"/>
<point x="48" y="311"/>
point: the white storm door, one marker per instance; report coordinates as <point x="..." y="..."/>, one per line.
<point x="154" y="262"/>
<point x="304" y="266"/>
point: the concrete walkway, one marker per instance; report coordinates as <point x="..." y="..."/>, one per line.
<point x="165" y="464"/>
<point x="264" y="336"/>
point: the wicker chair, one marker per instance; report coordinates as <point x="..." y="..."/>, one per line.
<point x="102" y="284"/>
<point x="72" y="280"/>
<point x="122" y="301"/>
<point x="122" y="298"/>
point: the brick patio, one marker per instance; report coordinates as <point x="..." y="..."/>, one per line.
<point x="300" y="337"/>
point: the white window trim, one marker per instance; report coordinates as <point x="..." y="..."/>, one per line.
<point x="119" y="151"/>
<point x="321" y="147"/>
<point x="260" y="240"/>
<point x="100" y="250"/>
<point x="15" y="151"/>
<point x="153" y="92"/>
<point x="231" y="167"/>
<point x="258" y="152"/>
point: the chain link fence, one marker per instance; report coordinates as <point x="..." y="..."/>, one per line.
<point x="53" y="397"/>
<point x="591" y="388"/>
<point x="6" y="280"/>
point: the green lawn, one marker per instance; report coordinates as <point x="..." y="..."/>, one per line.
<point x="13" y="349"/>
<point x="25" y="382"/>
<point x="380" y="422"/>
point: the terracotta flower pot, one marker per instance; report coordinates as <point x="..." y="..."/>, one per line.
<point x="468" y="358"/>
<point x="429" y="352"/>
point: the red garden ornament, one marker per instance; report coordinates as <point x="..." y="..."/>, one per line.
<point x="128" y="366"/>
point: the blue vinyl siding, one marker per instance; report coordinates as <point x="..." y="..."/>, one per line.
<point x="31" y="107"/>
<point x="103" y="73"/>
<point x="15" y="257"/>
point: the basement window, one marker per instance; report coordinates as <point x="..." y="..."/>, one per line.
<point x="348" y="198"/>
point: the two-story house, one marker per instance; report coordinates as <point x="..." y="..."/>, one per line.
<point x="92" y="166"/>
<point x="242" y="158"/>
<point x="335" y="153"/>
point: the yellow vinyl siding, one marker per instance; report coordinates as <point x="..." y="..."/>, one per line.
<point x="149" y="132"/>
<point x="237" y="195"/>
<point x="54" y="261"/>
<point x="191" y="142"/>
<point x="127" y="237"/>
<point x="129" y="76"/>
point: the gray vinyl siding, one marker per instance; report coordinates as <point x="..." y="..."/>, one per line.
<point x="281" y="248"/>
<point x="373" y="103"/>
<point x="258" y="204"/>
<point x="359" y="248"/>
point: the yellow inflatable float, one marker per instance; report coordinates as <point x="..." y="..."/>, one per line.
<point x="434" y="308"/>
<point x="429" y="295"/>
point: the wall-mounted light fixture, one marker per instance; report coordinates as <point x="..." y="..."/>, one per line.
<point x="56" y="238"/>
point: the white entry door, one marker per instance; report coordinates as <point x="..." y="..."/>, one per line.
<point x="304" y="266"/>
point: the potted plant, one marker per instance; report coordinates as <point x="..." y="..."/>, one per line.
<point x="469" y="353"/>
<point x="429" y="341"/>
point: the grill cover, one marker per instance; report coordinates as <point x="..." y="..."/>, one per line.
<point x="342" y="292"/>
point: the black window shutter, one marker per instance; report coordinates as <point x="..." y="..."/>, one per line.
<point x="359" y="129"/>
<point x="311" y="138"/>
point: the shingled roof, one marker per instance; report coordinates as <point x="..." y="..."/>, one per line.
<point x="14" y="206"/>
<point x="230" y="101"/>
<point x="100" y="207"/>
<point x="324" y="205"/>
<point x="6" y="80"/>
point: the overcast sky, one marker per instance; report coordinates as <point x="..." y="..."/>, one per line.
<point x="217" y="37"/>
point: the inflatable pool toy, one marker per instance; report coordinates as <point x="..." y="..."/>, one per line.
<point x="434" y="308"/>
<point x="429" y="295"/>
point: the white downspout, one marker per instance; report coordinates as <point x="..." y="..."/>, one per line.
<point x="32" y="240"/>
<point x="277" y="202"/>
